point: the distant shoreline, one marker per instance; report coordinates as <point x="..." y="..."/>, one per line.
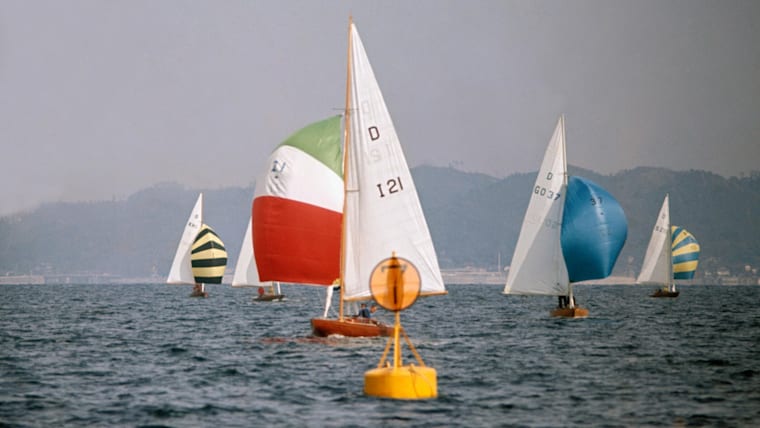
<point x="450" y="277"/>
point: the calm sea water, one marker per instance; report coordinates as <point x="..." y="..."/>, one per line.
<point x="148" y="355"/>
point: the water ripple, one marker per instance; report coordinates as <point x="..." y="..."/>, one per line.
<point x="150" y="356"/>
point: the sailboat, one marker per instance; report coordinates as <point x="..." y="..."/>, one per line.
<point x="293" y="233"/>
<point x="573" y="230"/>
<point x="672" y="253"/>
<point x="246" y="274"/>
<point x="201" y="257"/>
<point x="382" y="211"/>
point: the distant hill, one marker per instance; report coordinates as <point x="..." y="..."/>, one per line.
<point x="474" y="219"/>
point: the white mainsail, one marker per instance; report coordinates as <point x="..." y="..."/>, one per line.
<point x="181" y="271"/>
<point x="246" y="274"/>
<point x="383" y="213"/>
<point x="658" y="266"/>
<point x="538" y="266"/>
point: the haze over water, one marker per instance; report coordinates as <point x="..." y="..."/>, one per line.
<point x="93" y="355"/>
<point x="101" y="100"/>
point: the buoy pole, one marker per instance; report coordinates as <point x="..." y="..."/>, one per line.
<point x="396" y="341"/>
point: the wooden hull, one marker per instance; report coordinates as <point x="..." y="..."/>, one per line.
<point x="570" y="312"/>
<point x="349" y="327"/>
<point x="201" y="294"/>
<point x="269" y="297"/>
<point x="664" y="293"/>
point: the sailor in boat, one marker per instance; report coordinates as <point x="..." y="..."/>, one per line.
<point x="261" y="292"/>
<point x="198" y="291"/>
<point x="564" y="302"/>
<point x="365" y="314"/>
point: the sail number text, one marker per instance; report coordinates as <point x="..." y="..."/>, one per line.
<point x="391" y="186"/>
<point x="543" y="191"/>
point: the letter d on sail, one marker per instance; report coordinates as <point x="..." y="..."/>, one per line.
<point x="374" y="133"/>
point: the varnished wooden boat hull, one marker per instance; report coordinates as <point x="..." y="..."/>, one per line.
<point x="665" y="293"/>
<point x="269" y="297"/>
<point x="349" y="327"/>
<point x="570" y="312"/>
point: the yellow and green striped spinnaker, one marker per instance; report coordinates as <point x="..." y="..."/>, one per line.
<point x="208" y="256"/>
<point x="685" y="251"/>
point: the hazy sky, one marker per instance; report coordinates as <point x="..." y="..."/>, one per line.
<point x="99" y="99"/>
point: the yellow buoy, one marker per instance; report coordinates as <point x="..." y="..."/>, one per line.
<point x="395" y="285"/>
<point x="409" y="382"/>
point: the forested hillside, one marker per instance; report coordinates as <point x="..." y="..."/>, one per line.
<point x="473" y="218"/>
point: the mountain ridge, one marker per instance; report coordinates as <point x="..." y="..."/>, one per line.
<point x="474" y="220"/>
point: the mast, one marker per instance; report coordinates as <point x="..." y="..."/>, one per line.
<point x="570" y="299"/>
<point x="203" y="286"/>
<point x="564" y="153"/>
<point x="669" y="249"/>
<point x="346" y="142"/>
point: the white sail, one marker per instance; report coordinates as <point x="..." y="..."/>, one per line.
<point x="303" y="178"/>
<point x="328" y="301"/>
<point x="657" y="266"/>
<point x="383" y="213"/>
<point x="181" y="270"/>
<point x="538" y="266"/>
<point x="246" y="274"/>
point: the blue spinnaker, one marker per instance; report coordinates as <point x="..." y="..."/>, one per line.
<point x="594" y="229"/>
